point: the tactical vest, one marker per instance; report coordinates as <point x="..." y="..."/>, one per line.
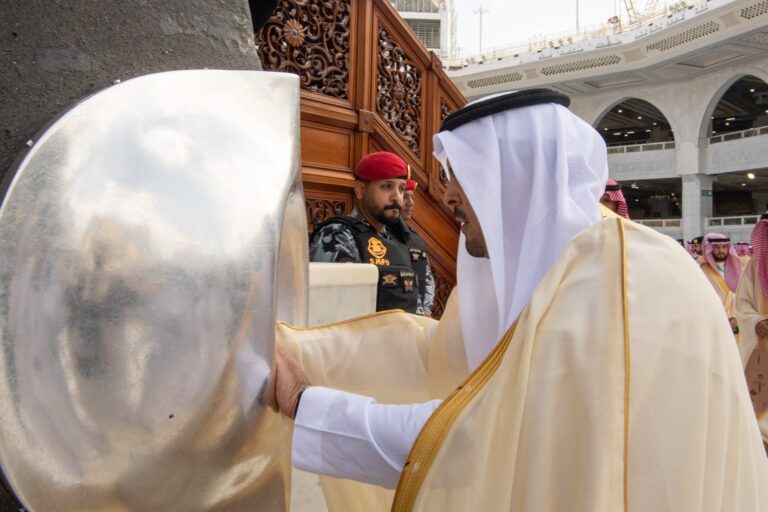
<point x="418" y="253"/>
<point x="398" y="286"/>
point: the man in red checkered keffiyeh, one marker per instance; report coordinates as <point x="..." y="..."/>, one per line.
<point x="752" y="315"/>
<point x="722" y="267"/>
<point x="613" y="199"/>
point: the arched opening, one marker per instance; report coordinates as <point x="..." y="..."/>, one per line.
<point x="740" y="193"/>
<point x="634" y="121"/>
<point x="742" y="107"/>
<point x="653" y="199"/>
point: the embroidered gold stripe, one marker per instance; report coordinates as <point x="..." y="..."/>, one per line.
<point x="724" y="290"/>
<point x="342" y="322"/>
<point x="627" y="366"/>
<point x="439" y="424"/>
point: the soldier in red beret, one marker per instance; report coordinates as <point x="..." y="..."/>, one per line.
<point x="374" y="232"/>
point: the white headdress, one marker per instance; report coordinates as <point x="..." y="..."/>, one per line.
<point x="533" y="175"/>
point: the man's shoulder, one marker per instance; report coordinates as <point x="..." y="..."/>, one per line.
<point x="334" y="228"/>
<point x="413" y="232"/>
<point x="334" y="241"/>
<point x="657" y="246"/>
<point x="344" y="223"/>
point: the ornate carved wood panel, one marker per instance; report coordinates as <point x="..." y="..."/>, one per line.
<point x="398" y="90"/>
<point x="439" y="177"/>
<point x="444" y="283"/>
<point x="321" y="209"/>
<point x="310" y="38"/>
<point x="368" y="84"/>
<point x="438" y="181"/>
<point x="445" y="109"/>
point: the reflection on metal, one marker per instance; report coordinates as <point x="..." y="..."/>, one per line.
<point x="140" y="255"/>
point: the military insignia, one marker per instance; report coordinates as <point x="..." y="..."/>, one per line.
<point x="409" y="280"/>
<point x="376" y="248"/>
<point x="389" y="279"/>
<point x="415" y="255"/>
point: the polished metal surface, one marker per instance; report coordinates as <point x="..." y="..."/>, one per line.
<point x="148" y="241"/>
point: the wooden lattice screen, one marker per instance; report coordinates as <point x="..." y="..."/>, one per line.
<point x="368" y="84"/>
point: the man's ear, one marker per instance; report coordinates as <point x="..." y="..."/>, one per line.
<point x="359" y="189"/>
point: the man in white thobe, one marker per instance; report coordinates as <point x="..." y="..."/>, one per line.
<point x="583" y="383"/>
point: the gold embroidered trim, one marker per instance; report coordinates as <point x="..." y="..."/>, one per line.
<point x="627" y="366"/>
<point x="718" y="279"/>
<point x="342" y="322"/>
<point x="430" y="438"/>
<point x="433" y="433"/>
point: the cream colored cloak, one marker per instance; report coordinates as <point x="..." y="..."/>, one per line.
<point x="751" y="308"/>
<point x="619" y="388"/>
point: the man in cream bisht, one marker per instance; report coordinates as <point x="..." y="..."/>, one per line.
<point x="752" y="314"/>
<point x="597" y="372"/>
<point x="723" y="269"/>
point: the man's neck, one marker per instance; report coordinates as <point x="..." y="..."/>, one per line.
<point x="375" y="224"/>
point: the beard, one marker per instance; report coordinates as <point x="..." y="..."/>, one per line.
<point x="382" y="214"/>
<point x="476" y="248"/>
<point x="720" y="259"/>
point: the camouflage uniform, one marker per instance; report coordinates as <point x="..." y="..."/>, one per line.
<point x="429" y="293"/>
<point x="335" y="243"/>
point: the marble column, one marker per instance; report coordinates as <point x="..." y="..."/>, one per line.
<point x="697" y="203"/>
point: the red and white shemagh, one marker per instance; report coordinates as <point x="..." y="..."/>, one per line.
<point x="733" y="268"/>
<point x="618" y="197"/>
<point x="760" y="252"/>
<point x="743" y="250"/>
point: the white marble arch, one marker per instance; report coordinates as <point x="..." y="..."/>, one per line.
<point x="646" y="96"/>
<point x="720" y="89"/>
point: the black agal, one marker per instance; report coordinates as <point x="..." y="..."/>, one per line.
<point x="500" y="103"/>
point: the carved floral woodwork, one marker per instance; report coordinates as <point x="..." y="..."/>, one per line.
<point x="394" y="95"/>
<point x="398" y="91"/>
<point x="320" y="210"/>
<point x="311" y="39"/>
<point x="443" y="287"/>
<point x="445" y="110"/>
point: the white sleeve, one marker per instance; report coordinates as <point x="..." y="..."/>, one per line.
<point x="352" y="436"/>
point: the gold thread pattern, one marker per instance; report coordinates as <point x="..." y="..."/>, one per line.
<point x="433" y="433"/>
<point x="342" y="322"/>
<point x="627" y="360"/>
<point x="439" y="424"/>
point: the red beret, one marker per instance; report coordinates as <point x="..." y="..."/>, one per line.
<point x="410" y="185"/>
<point x="382" y="165"/>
